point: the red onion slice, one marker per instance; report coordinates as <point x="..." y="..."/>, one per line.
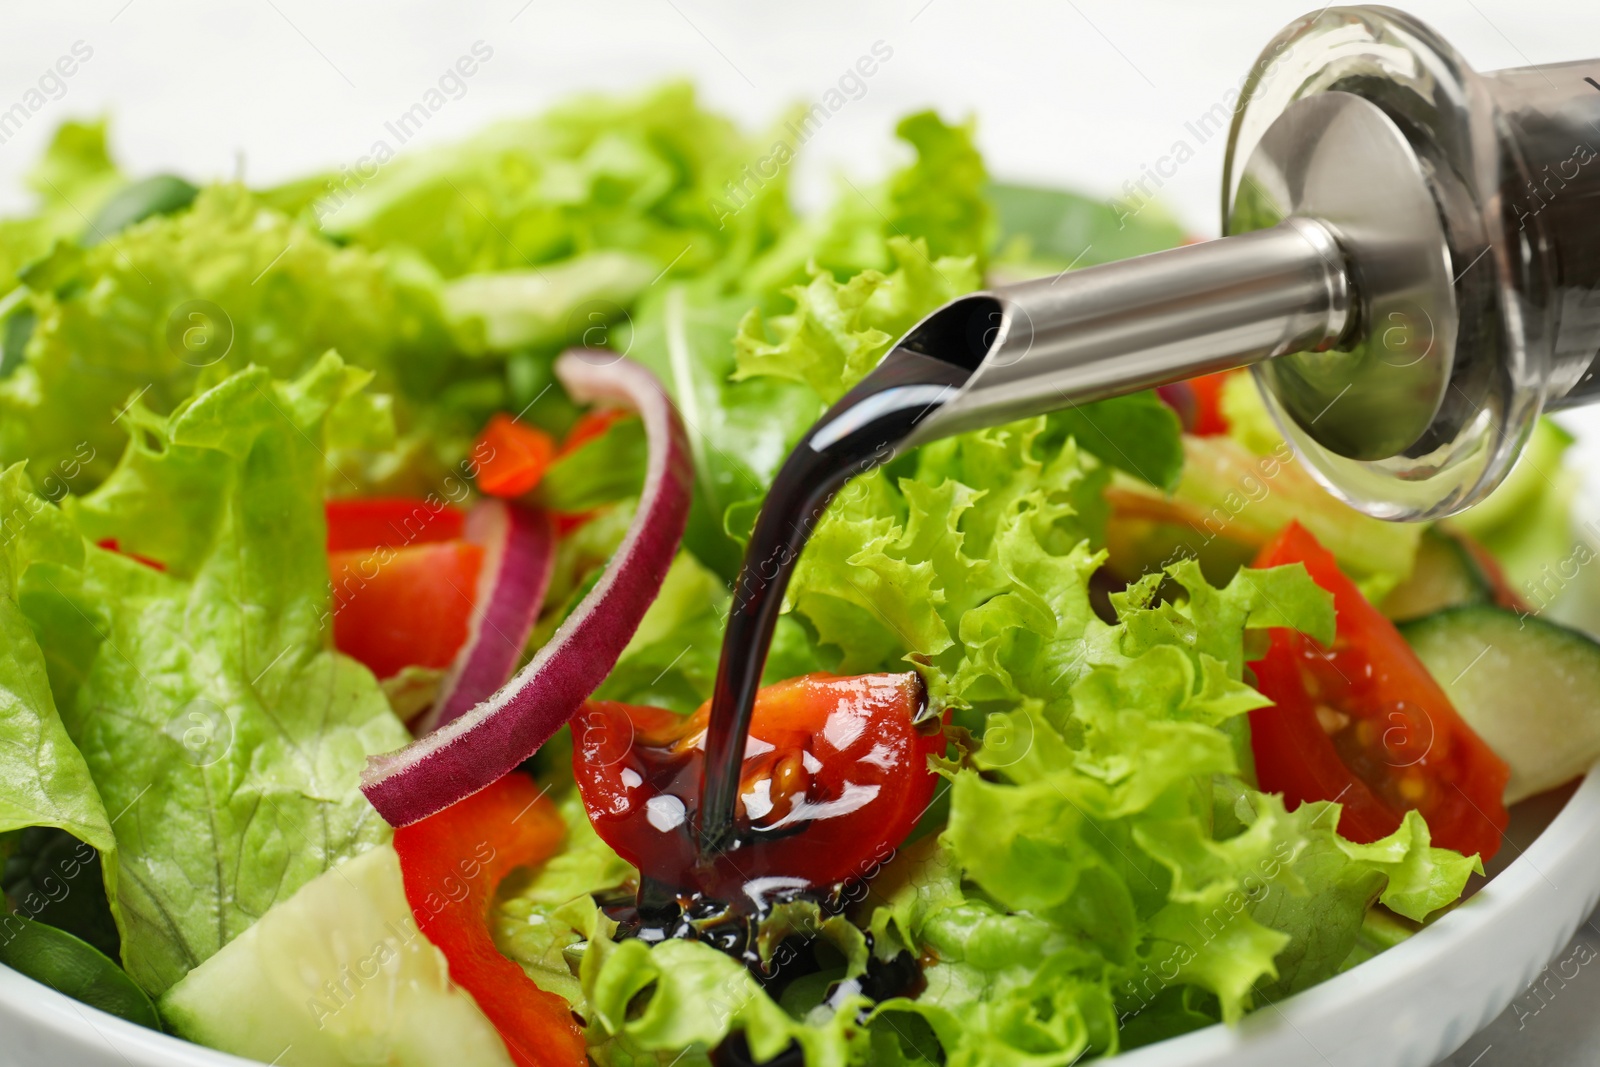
<point x="518" y="556"/>
<point x="472" y="752"/>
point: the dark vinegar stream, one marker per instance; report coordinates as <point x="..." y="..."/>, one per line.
<point x="857" y="434"/>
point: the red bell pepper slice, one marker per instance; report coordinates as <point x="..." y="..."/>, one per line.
<point x="390" y="522"/>
<point x="452" y="864"/>
<point x="403" y="607"/>
<point x="511" y="456"/>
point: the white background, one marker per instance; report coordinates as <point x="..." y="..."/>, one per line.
<point x="1082" y="93"/>
<point x="1077" y="92"/>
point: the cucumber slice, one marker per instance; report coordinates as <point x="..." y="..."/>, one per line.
<point x="1445" y="576"/>
<point x="335" y="976"/>
<point x="1540" y="460"/>
<point x="1530" y="688"/>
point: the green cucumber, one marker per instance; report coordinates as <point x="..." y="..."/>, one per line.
<point x="1530" y="688"/>
<point x="1528" y="480"/>
<point x="1445" y="576"/>
<point x="336" y="976"/>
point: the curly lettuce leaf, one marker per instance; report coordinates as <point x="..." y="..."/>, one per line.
<point x="974" y="557"/>
<point x="939" y="199"/>
<point x="685" y="995"/>
<point x="838" y="332"/>
<point x="182" y="300"/>
<point x="649" y="175"/>
<point x="1321" y="887"/>
<point x="742" y="417"/>
<point x="72" y="180"/>
<point x="214" y="717"/>
<point x="1085" y="893"/>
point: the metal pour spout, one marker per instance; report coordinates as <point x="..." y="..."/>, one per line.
<point x="1106" y="331"/>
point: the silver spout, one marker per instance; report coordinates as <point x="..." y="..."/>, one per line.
<point x="1118" y="328"/>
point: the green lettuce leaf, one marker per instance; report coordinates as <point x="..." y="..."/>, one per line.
<point x="972" y="557"/>
<point x="214" y="718"/>
<point x="739" y="432"/>
<point x="553" y="305"/>
<point x="600" y="471"/>
<point x="44" y="780"/>
<point x="1138" y="434"/>
<point x="743" y="418"/>
<point x="1316" y="888"/>
<point x="1045" y="230"/>
<point x="940" y="198"/>
<point x="1084" y="893"/>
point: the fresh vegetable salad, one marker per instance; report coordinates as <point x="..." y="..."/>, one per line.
<point x="367" y="547"/>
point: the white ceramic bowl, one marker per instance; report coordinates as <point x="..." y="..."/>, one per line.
<point x="1407" y="1007"/>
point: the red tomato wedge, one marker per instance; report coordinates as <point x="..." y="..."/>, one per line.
<point x="511" y="456"/>
<point x="452" y="863"/>
<point x="400" y="607"/>
<point x="835" y="776"/>
<point x="1365" y="724"/>
<point x="394" y="522"/>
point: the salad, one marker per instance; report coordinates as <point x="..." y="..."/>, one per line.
<point x="366" y="544"/>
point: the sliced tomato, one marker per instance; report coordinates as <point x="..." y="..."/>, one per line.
<point x="835" y="776"/>
<point x="452" y="864"/>
<point x="394" y="522"/>
<point x="400" y="607"/>
<point x="1365" y="724"/>
<point x="511" y="456"/>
